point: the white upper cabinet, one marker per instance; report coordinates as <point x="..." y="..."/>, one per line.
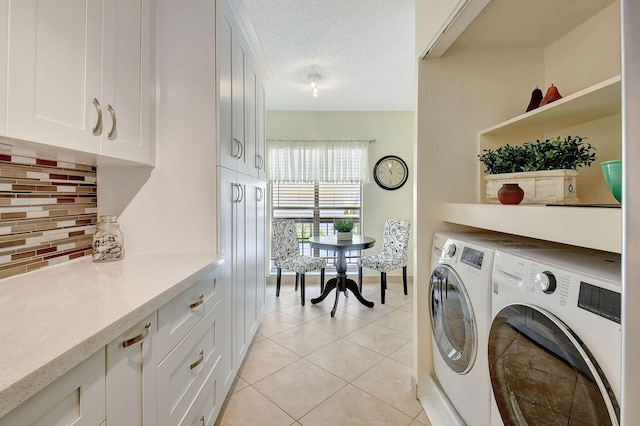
<point x="241" y="111"/>
<point x="54" y="73"/>
<point x="79" y="76"/>
<point x="126" y="80"/>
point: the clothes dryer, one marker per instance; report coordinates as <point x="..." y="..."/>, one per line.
<point x="460" y="314"/>
<point x="555" y="339"/>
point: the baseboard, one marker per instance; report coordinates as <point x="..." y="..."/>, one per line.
<point x="436" y="404"/>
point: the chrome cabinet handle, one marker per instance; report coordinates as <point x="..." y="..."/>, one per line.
<point x="97" y="129"/>
<point x="261" y="162"/>
<point x="202" y="420"/>
<point x="241" y="193"/>
<point x="260" y="194"/>
<point x="240" y="148"/>
<point x="198" y="361"/>
<point x="112" y="132"/>
<point x="235" y="198"/>
<point x="137" y="338"/>
<point x="197" y="303"/>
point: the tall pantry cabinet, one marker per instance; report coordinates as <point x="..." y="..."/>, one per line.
<point x="241" y="181"/>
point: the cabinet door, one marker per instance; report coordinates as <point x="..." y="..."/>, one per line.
<point x="240" y="58"/>
<point x="54" y="72"/>
<point x="228" y="148"/>
<point x="131" y="376"/>
<point x="126" y="80"/>
<point x="249" y="304"/>
<point x="77" y="398"/>
<point x="227" y="201"/>
<point x="261" y="143"/>
<point x="261" y="247"/>
<point x="240" y="270"/>
<point x="4" y="44"/>
<point x="250" y="117"/>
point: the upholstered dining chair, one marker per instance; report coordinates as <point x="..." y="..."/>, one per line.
<point x="395" y="241"/>
<point x="285" y="243"/>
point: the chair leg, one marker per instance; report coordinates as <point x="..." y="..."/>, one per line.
<point x="360" y="279"/>
<point x="404" y="279"/>
<point x="383" y="285"/>
<point x="278" y="279"/>
<point x="297" y="275"/>
<point x="302" y="288"/>
<point x="321" y="280"/>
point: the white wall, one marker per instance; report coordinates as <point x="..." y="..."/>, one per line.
<point x="393" y="134"/>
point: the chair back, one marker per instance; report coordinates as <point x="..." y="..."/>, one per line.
<point x="395" y="239"/>
<point x="285" y="238"/>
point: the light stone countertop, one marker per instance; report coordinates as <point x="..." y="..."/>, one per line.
<point x="54" y="318"/>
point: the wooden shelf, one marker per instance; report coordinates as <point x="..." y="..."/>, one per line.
<point x="598" y="101"/>
<point x="598" y="228"/>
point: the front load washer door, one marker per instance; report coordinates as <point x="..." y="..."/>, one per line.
<point x="452" y="319"/>
<point x="541" y="373"/>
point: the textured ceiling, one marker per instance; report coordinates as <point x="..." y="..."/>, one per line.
<point x="363" y="49"/>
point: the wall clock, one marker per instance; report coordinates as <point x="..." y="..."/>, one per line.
<point x="390" y="172"/>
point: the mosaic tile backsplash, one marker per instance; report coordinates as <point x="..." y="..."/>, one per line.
<point x="48" y="212"/>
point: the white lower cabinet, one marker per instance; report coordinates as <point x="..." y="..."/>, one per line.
<point x="131" y="376"/>
<point x="182" y="374"/>
<point x="77" y="398"/>
<point x="169" y="369"/>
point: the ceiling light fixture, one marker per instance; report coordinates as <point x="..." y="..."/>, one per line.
<point x="315" y="78"/>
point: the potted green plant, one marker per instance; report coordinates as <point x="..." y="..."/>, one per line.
<point x="344" y="228"/>
<point x="545" y="170"/>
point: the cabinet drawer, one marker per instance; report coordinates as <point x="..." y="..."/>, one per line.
<point x="207" y="404"/>
<point x="77" y="398"/>
<point x="183" y="372"/>
<point x="178" y="317"/>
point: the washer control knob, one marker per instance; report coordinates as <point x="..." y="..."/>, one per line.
<point x="450" y="249"/>
<point x="546" y="281"/>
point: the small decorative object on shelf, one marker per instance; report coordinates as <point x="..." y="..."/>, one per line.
<point x="612" y="173"/>
<point x="510" y="193"/>
<point x="108" y="240"/>
<point x="536" y="98"/>
<point x="551" y="95"/>
<point x="344" y="228"/>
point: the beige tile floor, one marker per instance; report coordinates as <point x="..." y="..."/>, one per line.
<point x="306" y="368"/>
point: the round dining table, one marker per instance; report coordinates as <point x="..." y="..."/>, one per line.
<point x="341" y="282"/>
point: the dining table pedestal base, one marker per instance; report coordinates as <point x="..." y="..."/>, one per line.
<point x="341" y="284"/>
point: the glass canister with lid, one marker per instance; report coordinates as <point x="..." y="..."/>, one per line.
<point x="108" y="240"/>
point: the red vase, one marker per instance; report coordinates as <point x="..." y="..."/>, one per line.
<point x="510" y="193"/>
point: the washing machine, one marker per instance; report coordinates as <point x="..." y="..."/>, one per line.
<point x="555" y="338"/>
<point x="460" y="314"/>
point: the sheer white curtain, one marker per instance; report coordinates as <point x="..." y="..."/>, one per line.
<point x="298" y="161"/>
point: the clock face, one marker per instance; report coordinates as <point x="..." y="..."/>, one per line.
<point x="390" y="172"/>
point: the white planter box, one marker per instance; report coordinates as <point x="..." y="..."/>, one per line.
<point x="344" y="236"/>
<point x="543" y="187"/>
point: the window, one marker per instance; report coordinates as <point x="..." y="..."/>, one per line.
<point x="316" y="182"/>
<point x="315" y="207"/>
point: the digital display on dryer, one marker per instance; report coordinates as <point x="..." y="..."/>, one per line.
<point x="472" y="257"/>
<point x="600" y="301"/>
